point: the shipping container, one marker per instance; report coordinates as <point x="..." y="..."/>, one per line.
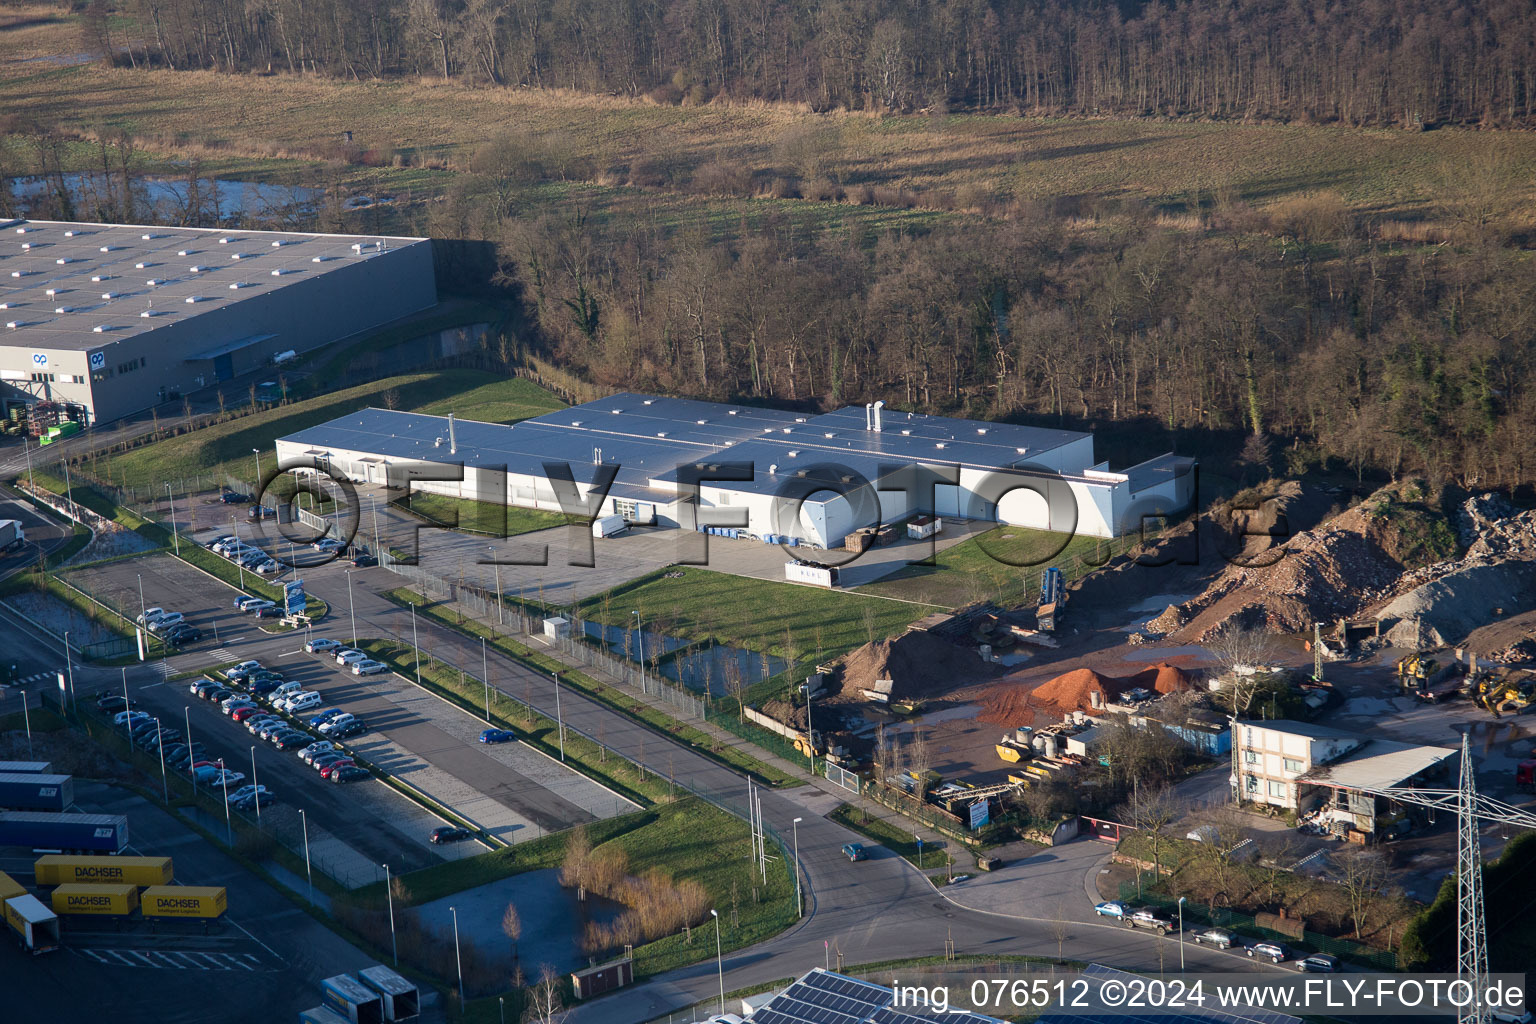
<point x="36" y="927"/>
<point x="402" y="1001"/>
<point x="111" y="900"/>
<point x="36" y="791"/>
<point x="594" y="981"/>
<point x="200" y="901"/>
<point x="15" y="767"/>
<point x="10" y="887"/>
<point x="321" y="1015"/>
<point x="34" y="830"/>
<point x="352" y="999"/>
<point x="57" y="869"/>
<point x="810" y="572"/>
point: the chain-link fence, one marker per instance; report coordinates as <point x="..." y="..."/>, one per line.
<point x="513" y="617"/>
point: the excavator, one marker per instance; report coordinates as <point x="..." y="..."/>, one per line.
<point x="1414" y="671"/>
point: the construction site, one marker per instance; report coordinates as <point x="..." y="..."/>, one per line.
<point x="1289" y="657"/>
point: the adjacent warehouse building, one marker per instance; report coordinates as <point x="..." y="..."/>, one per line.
<point x="766" y="473"/>
<point x="102" y="320"/>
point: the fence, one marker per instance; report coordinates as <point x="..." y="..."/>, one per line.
<point x="1138" y="890"/>
<point x="515" y="618"/>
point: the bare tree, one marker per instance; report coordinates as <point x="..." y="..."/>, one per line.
<point x="735" y="686"/>
<point x="1151" y="812"/>
<point x="545" y="1004"/>
<point x="1061" y="930"/>
<point x="1362" y="874"/>
<point x="512" y="926"/>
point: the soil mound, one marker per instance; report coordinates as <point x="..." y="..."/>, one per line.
<point x="1081" y="689"/>
<point x="918" y="664"/>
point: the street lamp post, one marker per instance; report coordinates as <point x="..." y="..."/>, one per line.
<point x="256" y="487"/>
<point x="1181" y="934"/>
<point x="175" y="531"/>
<point x="127" y="718"/>
<point x="229" y="827"/>
<point x="308" y="873"/>
<point x="26" y="716"/>
<point x="799" y="900"/>
<point x="485" y="672"/>
<point x="69" y="667"/>
<point x="351" y="607"/>
<point x="255" y="788"/>
<point x="559" y="718"/>
<point x="165" y="786"/>
<point x="719" y="959"/>
<point x="235" y="524"/>
<point x="457" y="959"/>
<point x="186" y="710"/>
<point x="143" y="615"/>
<point x="391" y="896"/>
<point x="416" y="644"/>
<point x="496" y="568"/>
<point x="919" y="850"/>
<point x="640" y="643"/>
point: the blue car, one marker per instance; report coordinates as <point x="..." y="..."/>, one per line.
<point x="497" y="736"/>
<point x="326" y="716"/>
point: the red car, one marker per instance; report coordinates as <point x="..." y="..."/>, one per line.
<point x="345" y="762"/>
<point x="241" y="714"/>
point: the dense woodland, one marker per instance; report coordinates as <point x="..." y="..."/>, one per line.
<point x="1325" y="344"/>
<point x="1381" y="62"/>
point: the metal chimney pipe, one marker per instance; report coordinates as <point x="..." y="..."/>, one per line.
<point x="453" y="443"/>
<point x="869" y="422"/>
<point x="878" y="406"/>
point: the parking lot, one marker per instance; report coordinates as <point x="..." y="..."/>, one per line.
<point x="172" y="584"/>
<point x="262" y="961"/>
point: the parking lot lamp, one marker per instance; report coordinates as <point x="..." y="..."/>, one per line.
<point x="187" y="711"/>
<point x="256" y="489"/>
<point x="459" y="960"/>
<point x="719" y="959"/>
<point x="640" y="640"/>
<point x="559" y="718"/>
<point x="235" y="524"/>
<point x="165" y="786"/>
<point x="229" y="827"/>
<point x="496" y="567"/>
<point x="308" y="873"/>
<point x="799" y="901"/>
<point x="143" y="615"/>
<point x="175" y="532"/>
<point x="351" y="608"/>
<point x="485" y="671"/>
<point x="255" y="788"/>
<point x="391" y="897"/>
<point x="26" y="716"/>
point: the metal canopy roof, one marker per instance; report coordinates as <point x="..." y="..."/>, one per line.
<point x="77" y="286"/>
<point x="1379" y="765"/>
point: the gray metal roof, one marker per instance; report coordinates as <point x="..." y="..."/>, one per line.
<point x="74" y="286"/>
<point x="1380" y="764"/>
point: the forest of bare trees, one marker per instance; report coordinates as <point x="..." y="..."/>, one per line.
<point x="1333" y="342"/>
<point x="1409" y="63"/>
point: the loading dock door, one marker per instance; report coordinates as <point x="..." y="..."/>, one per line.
<point x="946" y="501"/>
<point x="223" y="367"/>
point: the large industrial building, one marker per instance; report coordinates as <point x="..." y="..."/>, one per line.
<point x="762" y="473"/>
<point x="102" y="320"/>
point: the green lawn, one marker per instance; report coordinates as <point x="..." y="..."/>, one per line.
<point x="226" y="447"/>
<point x="714" y="607"/>
<point x="1001" y="565"/>
<point x="485" y="517"/>
<point x="499" y="401"/>
<point x="896" y="840"/>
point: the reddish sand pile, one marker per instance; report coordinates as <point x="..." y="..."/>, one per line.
<point x="1081" y="689"/>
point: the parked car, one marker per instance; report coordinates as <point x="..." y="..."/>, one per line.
<point x="265" y="686"/>
<point x="321" y="644"/>
<point x="349" y="773"/>
<point x="1113" y="909"/>
<point x="259" y="512"/>
<point x="1218" y="937"/>
<point x="243" y="600"/>
<point x="234" y="498"/>
<point x="260" y="721"/>
<point x="339" y="721"/>
<point x="347" y="656"/>
<point x="449" y="834"/>
<point x="328" y="715"/>
<point x="249" y="803"/>
<point x="356" y="727"/>
<point x="326" y="770"/>
<point x="239" y="700"/>
<point x="327" y="545"/>
<point x="1151" y="920"/>
<point x="148" y="616"/>
<point x="362" y="561"/>
<point x="293" y="740"/>
<point x="217" y="694"/>
<point x="1271" y="951"/>
<point x="315" y="749"/>
<point x="114" y="702"/>
<point x="854" y="852"/>
<point x="242" y="715"/>
<point x="124" y="717"/>
<point x="182" y="635"/>
<point x="1319" y="963"/>
<point x="245" y="791"/>
<point x="497" y="736"/>
<point x="282" y="735"/>
<point x="302" y="702"/>
<point x="273" y="727"/>
<point x="164" y="621"/>
<point x="268" y="568"/>
<point x="369" y="667"/>
<point x="330" y="757"/>
<point x="260" y="608"/>
<point x="204" y="686"/>
<point x="245" y="668"/>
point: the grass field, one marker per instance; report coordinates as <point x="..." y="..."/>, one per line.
<point x="713" y="607"/>
<point x="265" y="125"/>
<point x="226" y="447"/>
<point x="1001" y="565"/>
<point x="482" y="516"/>
<point x="496" y="401"/>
